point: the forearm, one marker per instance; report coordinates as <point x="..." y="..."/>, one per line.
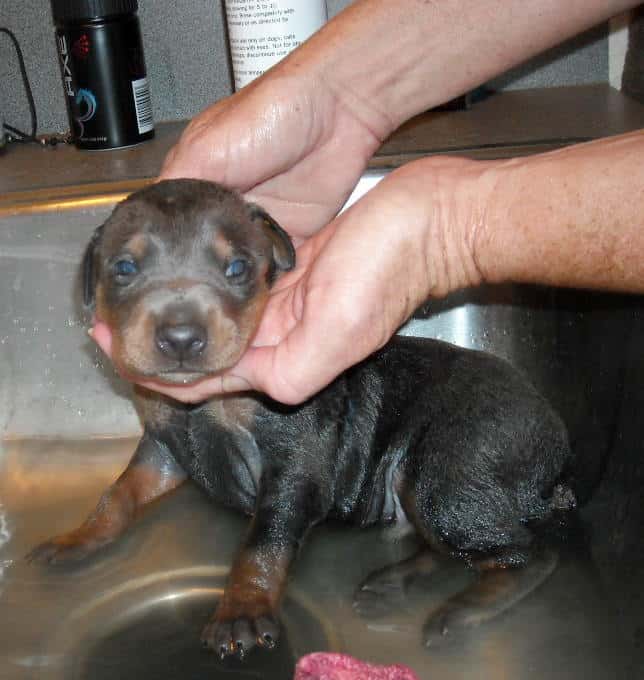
<point x="574" y="217"/>
<point x="390" y="60"/>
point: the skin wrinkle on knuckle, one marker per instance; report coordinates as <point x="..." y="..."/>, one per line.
<point x="475" y="235"/>
<point x="457" y="211"/>
<point x="479" y="237"/>
<point x="421" y="273"/>
<point x="437" y="262"/>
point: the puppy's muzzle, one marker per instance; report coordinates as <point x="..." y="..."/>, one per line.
<point x="181" y="341"/>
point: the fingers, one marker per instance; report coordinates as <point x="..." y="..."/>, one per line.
<point x="283" y="140"/>
<point x="330" y="313"/>
<point x="199" y="391"/>
<point x="356" y="282"/>
<point x="261" y="368"/>
<point x="249" y="137"/>
<point x="102" y="336"/>
<point x="202" y="390"/>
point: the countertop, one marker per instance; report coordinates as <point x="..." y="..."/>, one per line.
<point x="500" y="125"/>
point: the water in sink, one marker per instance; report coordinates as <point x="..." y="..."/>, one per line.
<point x="136" y="609"/>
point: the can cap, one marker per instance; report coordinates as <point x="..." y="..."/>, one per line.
<point x="78" y="10"/>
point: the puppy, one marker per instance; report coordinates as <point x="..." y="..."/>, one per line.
<point x="453" y="441"/>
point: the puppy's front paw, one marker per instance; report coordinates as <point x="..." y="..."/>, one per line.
<point x="237" y="636"/>
<point x="71" y="547"/>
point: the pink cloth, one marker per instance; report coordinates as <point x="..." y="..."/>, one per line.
<point x="328" y="666"/>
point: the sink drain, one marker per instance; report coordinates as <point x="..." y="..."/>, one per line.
<point x="163" y="642"/>
<point x="150" y="629"/>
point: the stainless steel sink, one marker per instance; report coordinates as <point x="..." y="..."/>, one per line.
<point x="67" y="428"/>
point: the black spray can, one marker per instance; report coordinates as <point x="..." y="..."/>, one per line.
<point x="104" y="77"/>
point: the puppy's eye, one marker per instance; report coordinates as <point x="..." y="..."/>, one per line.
<point x="124" y="270"/>
<point x="236" y="269"/>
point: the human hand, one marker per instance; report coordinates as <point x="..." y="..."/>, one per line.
<point x="288" y="141"/>
<point x="356" y="281"/>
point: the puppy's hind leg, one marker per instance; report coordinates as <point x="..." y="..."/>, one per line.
<point x="152" y="472"/>
<point x="504" y="575"/>
<point x="387" y="589"/>
<point x="498" y="587"/>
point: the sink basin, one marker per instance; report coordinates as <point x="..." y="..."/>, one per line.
<point x="135" y="610"/>
<point x="149" y="627"/>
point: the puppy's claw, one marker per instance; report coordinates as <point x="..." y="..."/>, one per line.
<point x="41" y="553"/>
<point x="56" y="551"/>
<point x="266" y="641"/>
<point x="449" y="623"/>
<point x="436" y="633"/>
<point x="267" y="632"/>
<point x="243" y="637"/>
<point x="239" y="637"/>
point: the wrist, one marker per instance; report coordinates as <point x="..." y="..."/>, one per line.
<point x="366" y="81"/>
<point x="453" y="195"/>
<point x="497" y="240"/>
<point x="388" y="61"/>
<point x="570" y="217"/>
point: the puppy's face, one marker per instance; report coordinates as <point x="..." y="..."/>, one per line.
<point x="180" y="272"/>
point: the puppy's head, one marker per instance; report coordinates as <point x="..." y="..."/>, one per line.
<point x="180" y="272"/>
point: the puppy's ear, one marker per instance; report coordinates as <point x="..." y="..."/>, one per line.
<point x="89" y="272"/>
<point x="283" y="250"/>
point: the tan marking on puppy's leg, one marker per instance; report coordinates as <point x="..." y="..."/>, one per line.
<point x="152" y="472"/>
<point x="255" y="586"/>
<point x="137" y="245"/>
<point x="247" y="613"/>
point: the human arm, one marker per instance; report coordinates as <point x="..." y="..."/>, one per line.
<point x="298" y="138"/>
<point x="572" y="217"/>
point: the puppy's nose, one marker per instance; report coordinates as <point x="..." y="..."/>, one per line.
<point x="181" y="341"/>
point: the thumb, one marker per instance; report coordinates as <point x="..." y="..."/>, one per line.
<point x="102" y="336"/>
<point x="296" y="368"/>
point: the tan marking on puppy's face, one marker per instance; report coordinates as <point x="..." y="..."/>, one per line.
<point x="222" y="247"/>
<point x="137" y="245"/>
<point x="183" y="271"/>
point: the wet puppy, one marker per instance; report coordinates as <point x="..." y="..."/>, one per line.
<point x="453" y="441"/>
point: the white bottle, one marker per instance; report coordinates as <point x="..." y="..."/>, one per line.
<point x="263" y="32"/>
